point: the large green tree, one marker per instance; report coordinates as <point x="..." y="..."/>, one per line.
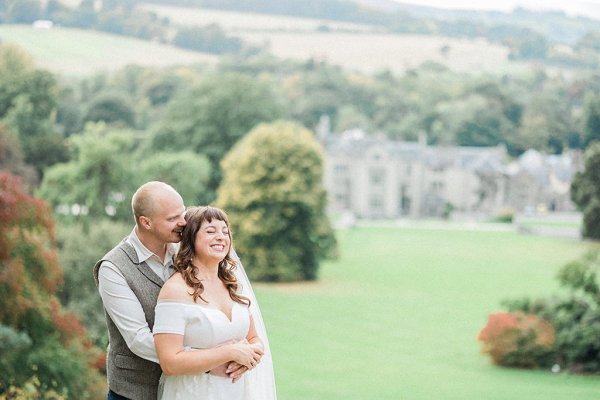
<point x="272" y="189"/>
<point x="27" y="104"/>
<point x="591" y="118"/>
<point x="585" y="191"/>
<point x="186" y="171"/>
<point x="99" y="179"/>
<point x="107" y="165"/>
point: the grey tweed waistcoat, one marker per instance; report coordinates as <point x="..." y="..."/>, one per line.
<point x="129" y="375"/>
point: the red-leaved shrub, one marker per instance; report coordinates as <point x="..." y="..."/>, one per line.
<point x="516" y="339"/>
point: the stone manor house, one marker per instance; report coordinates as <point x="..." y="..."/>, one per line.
<point x="372" y="177"/>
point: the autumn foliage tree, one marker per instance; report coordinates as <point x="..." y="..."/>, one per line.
<point x="39" y="339"/>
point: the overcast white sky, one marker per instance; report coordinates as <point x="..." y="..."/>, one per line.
<point x="590" y="8"/>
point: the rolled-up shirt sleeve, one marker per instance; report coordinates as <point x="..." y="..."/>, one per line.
<point x="125" y="311"/>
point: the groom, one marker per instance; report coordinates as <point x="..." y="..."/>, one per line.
<point x="129" y="278"/>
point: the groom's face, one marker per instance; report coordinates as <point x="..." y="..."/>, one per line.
<point x="168" y="221"/>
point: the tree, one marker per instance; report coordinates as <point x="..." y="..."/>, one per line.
<point x="591" y="119"/>
<point x="211" y="117"/>
<point x="487" y="126"/>
<point x="76" y="256"/>
<point x="23" y="11"/>
<point x="50" y="345"/>
<point x="27" y="104"/>
<point x="546" y="125"/>
<point x="160" y="89"/>
<point x="272" y="189"/>
<point x="167" y="167"/>
<point x="12" y="160"/>
<point x="591" y="40"/>
<point x="110" y="108"/>
<point x="210" y="39"/>
<point x="29" y="271"/>
<point x="320" y="90"/>
<point x="585" y="192"/>
<point x="99" y="179"/>
<point x="86" y="14"/>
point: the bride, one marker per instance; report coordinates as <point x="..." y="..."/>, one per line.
<point x="208" y="307"/>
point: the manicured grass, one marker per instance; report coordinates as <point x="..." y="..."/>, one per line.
<point x="76" y="51"/>
<point x="396" y="317"/>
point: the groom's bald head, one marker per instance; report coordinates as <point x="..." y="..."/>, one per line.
<point x="145" y="200"/>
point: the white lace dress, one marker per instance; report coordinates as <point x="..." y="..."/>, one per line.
<point x="203" y="327"/>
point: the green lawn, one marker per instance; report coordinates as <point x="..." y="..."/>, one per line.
<point x="396" y="317"/>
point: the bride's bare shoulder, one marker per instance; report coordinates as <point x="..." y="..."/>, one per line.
<point x="174" y="288"/>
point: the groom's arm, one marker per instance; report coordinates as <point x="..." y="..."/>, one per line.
<point x="125" y="311"/>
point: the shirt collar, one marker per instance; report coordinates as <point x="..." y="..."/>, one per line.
<point x="144" y="253"/>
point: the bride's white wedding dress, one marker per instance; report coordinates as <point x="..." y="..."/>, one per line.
<point x="209" y="327"/>
<point x="202" y="326"/>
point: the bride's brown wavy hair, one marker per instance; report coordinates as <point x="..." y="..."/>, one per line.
<point x="195" y="217"/>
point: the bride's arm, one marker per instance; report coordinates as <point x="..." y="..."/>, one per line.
<point x="168" y="339"/>
<point x="174" y="360"/>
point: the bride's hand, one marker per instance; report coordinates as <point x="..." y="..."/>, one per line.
<point x="246" y="354"/>
<point x="235" y="370"/>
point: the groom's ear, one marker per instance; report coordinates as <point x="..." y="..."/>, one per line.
<point x="145" y="222"/>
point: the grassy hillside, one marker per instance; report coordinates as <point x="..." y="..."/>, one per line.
<point x="375" y="52"/>
<point x="396" y="317"/>
<point x="354" y="46"/>
<point x="240" y="21"/>
<point x="75" y="51"/>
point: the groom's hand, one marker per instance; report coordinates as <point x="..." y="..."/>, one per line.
<point x="220" y="371"/>
<point x="235" y="371"/>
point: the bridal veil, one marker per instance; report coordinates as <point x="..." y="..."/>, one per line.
<point x="260" y="381"/>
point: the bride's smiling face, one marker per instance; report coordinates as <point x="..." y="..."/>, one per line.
<point x="212" y="241"/>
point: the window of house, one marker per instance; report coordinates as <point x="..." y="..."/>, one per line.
<point x="404" y="205"/>
<point x="377" y="176"/>
<point x="376" y="203"/>
<point x="340" y="169"/>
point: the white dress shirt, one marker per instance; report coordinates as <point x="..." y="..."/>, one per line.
<point x="122" y="305"/>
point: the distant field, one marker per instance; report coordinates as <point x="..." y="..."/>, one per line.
<point x="75" y="51"/>
<point x="397" y="316"/>
<point x="357" y="47"/>
<point x="374" y="52"/>
<point x="236" y="21"/>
